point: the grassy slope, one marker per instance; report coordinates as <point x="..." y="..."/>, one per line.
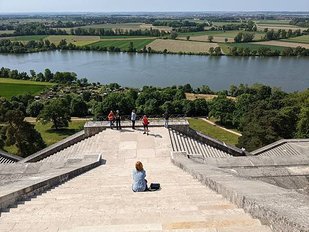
<point x="213" y="131"/>
<point x="51" y="136"/>
<point x="11" y="87"/>
<point x="124" y="44"/>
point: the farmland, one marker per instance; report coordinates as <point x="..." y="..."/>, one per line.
<point x="181" y="46"/>
<point x="283" y="44"/>
<point x="77" y="40"/>
<point x="253" y="46"/>
<point x="299" y="39"/>
<point x="11" y="87"/>
<point x="123" y="44"/>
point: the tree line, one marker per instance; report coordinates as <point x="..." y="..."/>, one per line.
<point x="266" y="51"/>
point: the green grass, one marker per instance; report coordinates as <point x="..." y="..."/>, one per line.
<point x="29" y="37"/>
<point x="298" y="39"/>
<point x="225" y="34"/>
<point x="11" y="87"/>
<point x="124" y="44"/>
<point x="123" y="37"/>
<point x="51" y="136"/>
<point x="277" y="22"/>
<point x="225" y="46"/>
<point x="213" y="131"/>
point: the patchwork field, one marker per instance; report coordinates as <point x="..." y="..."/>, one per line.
<point x="123" y="44"/>
<point x="181" y="46"/>
<point x="77" y="40"/>
<point x="299" y="39"/>
<point x="282" y="44"/>
<point x="11" y="87"/>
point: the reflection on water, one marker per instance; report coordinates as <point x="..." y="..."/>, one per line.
<point x="137" y="70"/>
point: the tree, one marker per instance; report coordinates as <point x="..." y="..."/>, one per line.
<point x="238" y="37"/>
<point x="247" y="37"/>
<point x="34" y="108"/>
<point x="188" y="37"/>
<point x="56" y="112"/>
<point x="218" y="51"/>
<point x="222" y="108"/>
<point x="174" y="35"/>
<point x="78" y="107"/>
<point x="226" y="40"/>
<point x="211" y="51"/>
<point x="22" y="134"/>
<point x="210" y="38"/>
<point x="303" y="123"/>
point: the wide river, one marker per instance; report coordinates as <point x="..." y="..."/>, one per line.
<point x="137" y="70"/>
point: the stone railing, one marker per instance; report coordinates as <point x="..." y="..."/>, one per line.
<point x="283" y="210"/>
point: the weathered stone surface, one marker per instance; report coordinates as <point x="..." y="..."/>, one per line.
<point x="284" y="210"/>
<point x="102" y="199"/>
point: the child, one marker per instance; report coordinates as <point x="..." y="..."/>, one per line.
<point x="145" y="124"/>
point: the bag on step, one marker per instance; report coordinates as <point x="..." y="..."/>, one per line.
<point x="154" y="187"/>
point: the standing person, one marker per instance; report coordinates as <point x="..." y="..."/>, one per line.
<point x="139" y="181"/>
<point x="118" y="120"/>
<point x="111" y="118"/>
<point x="133" y="118"/>
<point x="166" y="118"/>
<point x="145" y="124"/>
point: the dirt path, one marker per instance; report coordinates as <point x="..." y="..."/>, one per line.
<point x="223" y="128"/>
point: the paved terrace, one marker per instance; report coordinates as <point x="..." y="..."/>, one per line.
<point x="102" y="199"/>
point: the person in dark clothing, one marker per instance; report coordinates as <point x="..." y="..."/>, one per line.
<point x="118" y="120"/>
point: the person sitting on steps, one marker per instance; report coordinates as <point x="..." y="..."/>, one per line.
<point x="139" y="181"/>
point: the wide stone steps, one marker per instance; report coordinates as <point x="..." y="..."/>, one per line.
<point x="181" y="142"/>
<point x="102" y="199"/>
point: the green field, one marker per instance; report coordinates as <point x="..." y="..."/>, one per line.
<point x="11" y="87"/>
<point x="226" y="34"/>
<point x="298" y="39"/>
<point x="28" y="37"/>
<point x="51" y="136"/>
<point x="123" y="37"/>
<point x="225" y="46"/>
<point x="277" y="22"/>
<point x="123" y="44"/>
<point x="213" y="131"/>
<point x="6" y="31"/>
<point x="116" y="25"/>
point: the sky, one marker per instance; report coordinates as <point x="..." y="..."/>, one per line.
<point x="10" y="6"/>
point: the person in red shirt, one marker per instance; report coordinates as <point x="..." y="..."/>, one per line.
<point x="111" y="118"/>
<point x="145" y="124"/>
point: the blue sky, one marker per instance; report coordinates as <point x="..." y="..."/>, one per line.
<point x="7" y="6"/>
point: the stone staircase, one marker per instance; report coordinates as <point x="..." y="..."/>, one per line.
<point x="181" y="142"/>
<point x="76" y="151"/>
<point x="102" y="199"/>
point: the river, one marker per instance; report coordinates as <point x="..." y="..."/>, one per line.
<point x="136" y="70"/>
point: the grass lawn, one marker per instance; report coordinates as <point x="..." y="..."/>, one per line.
<point x="123" y="44"/>
<point x="213" y="131"/>
<point x="51" y="136"/>
<point x="29" y="37"/>
<point x="12" y="87"/>
<point x="298" y="39"/>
